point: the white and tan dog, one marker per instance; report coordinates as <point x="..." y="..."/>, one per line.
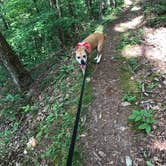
<point x="85" y="48"/>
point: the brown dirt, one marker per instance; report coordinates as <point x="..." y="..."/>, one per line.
<point x="109" y="139"/>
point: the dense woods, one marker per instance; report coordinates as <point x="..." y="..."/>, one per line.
<point x="35" y="29"/>
<point x="40" y="80"/>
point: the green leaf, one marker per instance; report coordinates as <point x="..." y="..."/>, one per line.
<point x="148" y="129"/>
<point x="148" y="163"/>
<point x="143" y="126"/>
<point x="132" y="117"/>
<point x="136" y="112"/>
<point x="138" y="118"/>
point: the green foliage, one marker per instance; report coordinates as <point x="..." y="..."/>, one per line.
<point x="57" y="126"/>
<point x="143" y="119"/>
<point x="8" y="104"/>
<point x="156" y="10"/>
<point x="132" y="64"/>
<point x="129" y="98"/>
<point x="152" y="85"/>
<point x="148" y="163"/>
<point x="35" y="30"/>
<point x="3" y="77"/>
<point x="131" y="38"/>
<point x="5" y="138"/>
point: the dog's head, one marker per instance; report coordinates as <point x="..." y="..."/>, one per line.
<point x="81" y="55"/>
<point x="82" y="51"/>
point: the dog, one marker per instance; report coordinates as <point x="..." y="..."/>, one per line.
<point x="84" y="49"/>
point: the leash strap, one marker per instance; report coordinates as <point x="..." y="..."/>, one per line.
<point x="73" y="140"/>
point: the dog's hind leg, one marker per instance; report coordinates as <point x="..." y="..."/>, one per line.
<point x="99" y="54"/>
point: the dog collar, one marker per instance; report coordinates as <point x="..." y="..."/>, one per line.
<point x="85" y="44"/>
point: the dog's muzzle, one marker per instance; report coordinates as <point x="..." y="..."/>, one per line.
<point x="83" y="62"/>
<point x="83" y="65"/>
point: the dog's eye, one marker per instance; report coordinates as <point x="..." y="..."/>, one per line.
<point x="84" y="56"/>
<point x="78" y="57"/>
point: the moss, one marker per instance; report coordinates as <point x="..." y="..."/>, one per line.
<point x="126" y="83"/>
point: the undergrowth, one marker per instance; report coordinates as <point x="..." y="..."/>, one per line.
<point x="133" y="88"/>
<point x="155" y="13"/>
<point x="52" y="127"/>
<point x="142" y="119"/>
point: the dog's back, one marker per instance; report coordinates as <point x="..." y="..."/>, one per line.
<point x="94" y="39"/>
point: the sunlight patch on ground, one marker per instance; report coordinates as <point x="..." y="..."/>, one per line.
<point x="155" y="49"/>
<point x="128" y="2"/>
<point x="159" y="145"/>
<point x="132" y="51"/>
<point x="134" y="23"/>
<point x="136" y="8"/>
<point x="152" y="48"/>
<point x="99" y="29"/>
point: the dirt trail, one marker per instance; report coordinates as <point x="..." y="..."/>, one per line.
<point x="109" y="140"/>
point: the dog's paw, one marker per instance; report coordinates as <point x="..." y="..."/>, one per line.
<point x="96" y="58"/>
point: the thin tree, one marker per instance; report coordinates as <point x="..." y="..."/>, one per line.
<point x="15" y="68"/>
<point x="89" y="7"/>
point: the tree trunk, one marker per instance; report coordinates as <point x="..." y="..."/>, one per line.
<point x="4" y="21"/>
<point x="101" y="9"/>
<point x="89" y="7"/>
<point x="113" y="3"/>
<point x="35" y="4"/>
<point x="55" y="5"/>
<point x="70" y="8"/>
<point x="11" y="62"/>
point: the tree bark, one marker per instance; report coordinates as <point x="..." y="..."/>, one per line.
<point x="4" y="21"/>
<point x="15" y="68"/>
<point x="55" y="5"/>
<point x="101" y="9"/>
<point x="35" y="4"/>
<point x="89" y="7"/>
<point x="113" y="3"/>
<point x="70" y="7"/>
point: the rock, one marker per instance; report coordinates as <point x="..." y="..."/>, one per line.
<point x="132" y="78"/>
<point x="164" y="82"/>
<point x="122" y="128"/>
<point x="25" y="152"/>
<point x="125" y="104"/>
<point x="102" y="154"/>
<point x="32" y="143"/>
<point x="156" y="79"/>
<point x="128" y="161"/>
<point x="18" y="164"/>
<point x="88" y="79"/>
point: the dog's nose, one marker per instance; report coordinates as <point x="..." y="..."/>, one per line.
<point x="82" y="62"/>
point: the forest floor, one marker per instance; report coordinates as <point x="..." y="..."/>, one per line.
<point x="109" y="138"/>
<point x="36" y="127"/>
